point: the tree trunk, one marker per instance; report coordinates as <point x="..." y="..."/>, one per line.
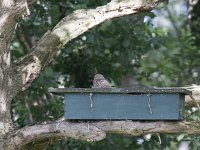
<point x="6" y="95"/>
<point x="7" y="81"/>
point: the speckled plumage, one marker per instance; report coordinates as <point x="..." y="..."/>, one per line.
<point x="100" y="82"/>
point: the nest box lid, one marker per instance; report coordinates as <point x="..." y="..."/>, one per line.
<point x="166" y="90"/>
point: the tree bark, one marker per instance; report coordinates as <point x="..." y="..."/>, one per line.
<point x="195" y="95"/>
<point x="7" y="81"/>
<point x="6" y="95"/>
<point x="95" y="131"/>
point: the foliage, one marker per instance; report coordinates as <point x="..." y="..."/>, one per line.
<point x="152" y="55"/>
<point x="172" y="63"/>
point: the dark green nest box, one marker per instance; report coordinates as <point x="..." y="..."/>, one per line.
<point x="118" y="104"/>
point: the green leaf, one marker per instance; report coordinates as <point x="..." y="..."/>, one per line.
<point x="180" y="137"/>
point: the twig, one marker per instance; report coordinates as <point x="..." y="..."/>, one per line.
<point x="27" y="8"/>
<point x="192" y="113"/>
<point x="30" y="117"/>
<point x="173" y="21"/>
<point x="159" y="139"/>
<point x="23" y="38"/>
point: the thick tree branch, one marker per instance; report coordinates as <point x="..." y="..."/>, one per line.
<point x="195" y="94"/>
<point x="96" y="131"/>
<point x="59" y="130"/>
<point x="69" y="28"/>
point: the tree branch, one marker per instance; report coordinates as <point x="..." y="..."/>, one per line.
<point x="23" y="39"/>
<point x="59" y="130"/>
<point x="10" y="13"/>
<point x="195" y="94"/>
<point x="28" y="1"/>
<point x="174" y="24"/>
<point x="191" y="4"/>
<point x="69" y="28"/>
<point x="96" y="131"/>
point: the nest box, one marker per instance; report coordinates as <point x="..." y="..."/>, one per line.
<point x="122" y="104"/>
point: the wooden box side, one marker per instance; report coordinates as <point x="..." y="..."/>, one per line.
<point x="123" y="106"/>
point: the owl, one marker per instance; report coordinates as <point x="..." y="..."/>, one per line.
<point x="100" y="82"/>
